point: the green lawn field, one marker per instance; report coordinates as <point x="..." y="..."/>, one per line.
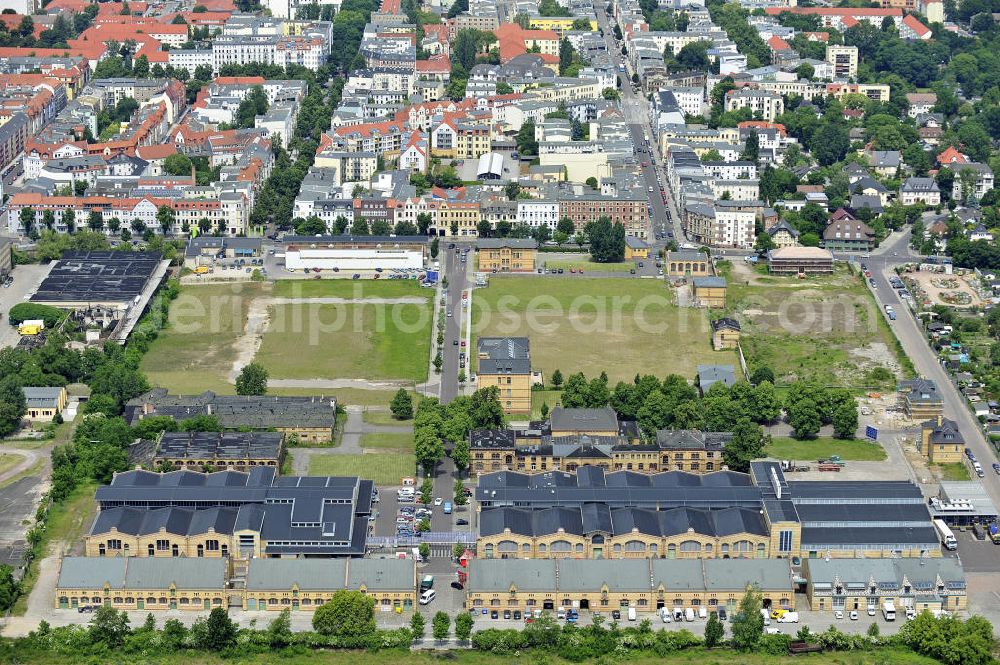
<point x="823" y="447"/>
<point x="349" y="288"/>
<point x="196" y="350"/>
<point x="827" y="329"/>
<point x="384" y="469"/>
<point x="589" y="266"/>
<point x="390" y="440"/>
<point x="539" y="397"/>
<point x="618" y="325"/>
<point x="355" y="341"/>
<point x="382" y="418"/>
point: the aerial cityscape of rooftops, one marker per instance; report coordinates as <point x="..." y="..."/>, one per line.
<point x="633" y="329"/>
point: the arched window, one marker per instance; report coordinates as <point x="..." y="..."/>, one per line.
<point x="635" y="546"/>
<point x="561" y="546"/>
<point x="690" y="546"/>
<point x="507" y="546"/>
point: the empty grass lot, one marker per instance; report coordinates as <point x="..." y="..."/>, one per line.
<point x="539" y="397"/>
<point x="196" y="351"/>
<point x="590" y="266"/>
<point x="618" y="325"/>
<point x="348" y="288"/>
<point x="391" y="440"/>
<point x="356" y="341"/>
<point x="375" y="341"/>
<point x="382" y="418"/>
<point x="384" y="469"/>
<point x="857" y="450"/>
<point x="825" y="328"/>
<point x="953" y="471"/>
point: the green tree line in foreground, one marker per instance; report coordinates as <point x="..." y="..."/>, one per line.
<point x="347" y="621"/>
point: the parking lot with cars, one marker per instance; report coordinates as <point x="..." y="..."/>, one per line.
<point x="24" y="282"/>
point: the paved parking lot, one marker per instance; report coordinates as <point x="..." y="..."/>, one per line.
<point x="977" y="556"/>
<point x="26" y="281"/>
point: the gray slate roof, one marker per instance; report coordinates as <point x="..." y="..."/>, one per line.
<point x="236" y="411"/>
<point x="220" y="445"/>
<point x="141" y="573"/>
<point x="590" y="420"/>
<point x="504" y="355"/>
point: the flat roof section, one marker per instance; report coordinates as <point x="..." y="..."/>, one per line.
<point x="97" y="277"/>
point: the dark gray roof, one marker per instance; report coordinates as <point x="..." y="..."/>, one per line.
<point x="817" y="538"/>
<point x="920" y="391"/>
<point x="584" y="420"/>
<point x="945" y="432"/>
<point x="295" y="514"/>
<point x="722" y="489"/>
<point x="783" y="226"/>
<point x="513" y="243"/>
<point x="181" y="521"/>
<point x="220" y="445"/>
<point x="727" y="323"/>
<point x="492" y="438"/>
<point x="98" y="277"/>
<point x="692" y="439"/>
<point x="504" y="355"/>
<point x="236" y="411"/>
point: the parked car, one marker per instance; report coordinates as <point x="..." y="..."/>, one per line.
<point x="854" y="615"/>
<point x="616" y="615"/>
<point x="838" y="614"/>
<point x="462" y="522"/>
<point x="506" y="614"/>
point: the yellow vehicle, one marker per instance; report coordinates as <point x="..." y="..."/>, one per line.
<point x="201" y="270"/>
<point x="778" y="613"/>
<point x="31" y="327"/>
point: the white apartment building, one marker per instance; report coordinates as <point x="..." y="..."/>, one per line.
<point x="766" y="105"/>
<point x="538" y="212"/>
<point x="734" y="225"/>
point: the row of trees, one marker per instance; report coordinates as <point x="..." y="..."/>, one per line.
<point x="347" y="620"/>
<point x="674" y="404"/>
<point x="434" y="423"/>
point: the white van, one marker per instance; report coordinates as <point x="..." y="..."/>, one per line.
<point x="767" y="617"/>
<point x="631" y="614"/>
<point x="688" y="614"/>
<point x="427" y="596"/>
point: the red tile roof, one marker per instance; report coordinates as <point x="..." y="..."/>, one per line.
<point x="919" y="29"/>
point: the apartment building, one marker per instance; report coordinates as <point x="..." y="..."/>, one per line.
<point x="505" y="362"/>
<point x="507" y="254"/>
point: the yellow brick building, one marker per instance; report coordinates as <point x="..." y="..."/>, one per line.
<point x="941" y="442"/>
<point x="505" y="362"/>
<point x="132" y="584"/>
<point x="305" y="584"/>
<point x="558" y="24"/>
<point x="687" y="263"/>
<point x="725" y="334"/>
<point x="42" y="404"/>
<point x="927" y="584"/>
<point x="710" y="291"/>
<point x="646" y="585"/>
<point x="507" y="254"/>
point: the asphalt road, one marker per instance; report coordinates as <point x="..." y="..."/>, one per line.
<point x="455" y="271"/>
<point x="636" y="109"/>
<point x="895" y="251"/>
